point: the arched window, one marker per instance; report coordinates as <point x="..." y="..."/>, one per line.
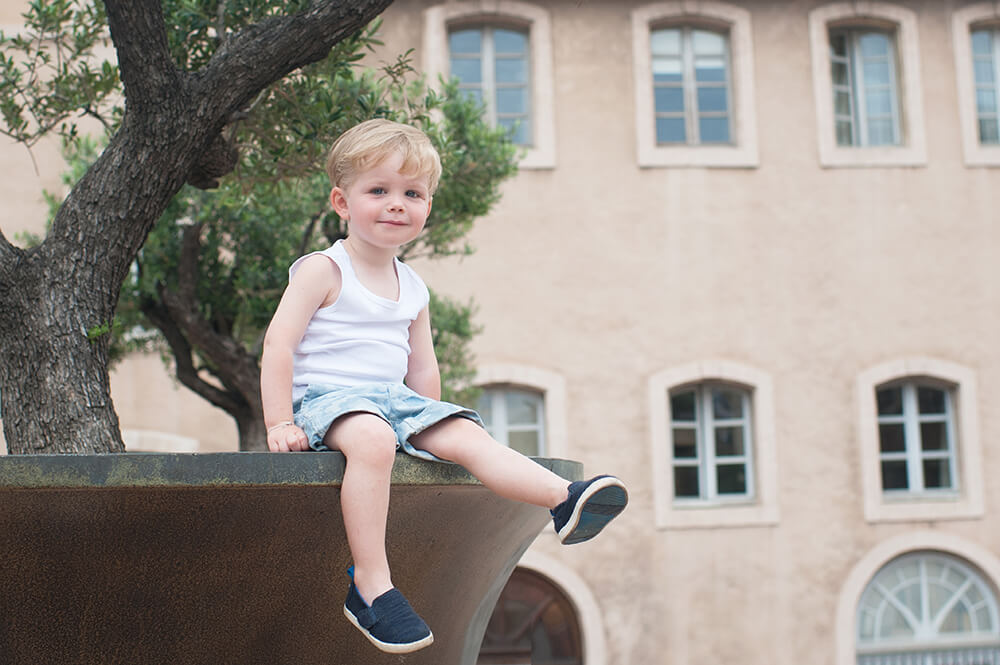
<point x="534" y="623"/>
<point x="515" y="417"/>
<point x="928" y="609"/>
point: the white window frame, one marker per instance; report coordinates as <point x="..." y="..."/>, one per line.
<point x="550" y="385"/>
<point x="913" y="454"/>
<point x="439" y="19"/>
<point x="706" y="460"/>
<point x="500" y="427"/>
<point x="857" y="87"/>
<point x="762" y="508"/>
<point x="845" y="623"/>
<point x="913" y="150"/>
<point x="742" y="153"/>
<point x="962" y="22"/>
<point x="927" y="635"/>
<point x="967" y="501"/>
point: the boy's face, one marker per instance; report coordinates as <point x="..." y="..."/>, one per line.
<point x="383" y="207"/>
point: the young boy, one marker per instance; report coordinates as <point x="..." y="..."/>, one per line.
<point x="348" y="365"/>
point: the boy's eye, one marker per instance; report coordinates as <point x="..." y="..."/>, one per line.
<point x="413" y="194"/>
<point x="378" y="190"/>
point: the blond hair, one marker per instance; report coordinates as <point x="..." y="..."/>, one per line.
<point x="364" y="146"/>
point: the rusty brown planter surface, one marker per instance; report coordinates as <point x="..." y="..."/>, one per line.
<point x="238" y="558"/>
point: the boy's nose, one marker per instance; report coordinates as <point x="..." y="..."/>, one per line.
<point x="395" y="206"/>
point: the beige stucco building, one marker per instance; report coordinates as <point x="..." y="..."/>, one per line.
<point x="750" y="266"/>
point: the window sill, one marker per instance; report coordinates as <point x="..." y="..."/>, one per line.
<point x="706" y="515"/>
<point x="698" y="156"/>
<point x="922" y="508"/>
<point x="895" y="156"/>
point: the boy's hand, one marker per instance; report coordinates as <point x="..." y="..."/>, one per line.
<point x="287" y="438"/>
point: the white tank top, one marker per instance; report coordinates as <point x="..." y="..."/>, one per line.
<point x="361" y="337"/>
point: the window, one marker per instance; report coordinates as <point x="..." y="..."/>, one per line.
<point x="694" y="85"/>
<point x="691" y="86"/>
<point x="865" y="97"/>
<point x="986" y="70"/>
<point x="492" y="66"/>
<point x="866" y="82"/>
<point x="711" y="443"/>
<point x="714" y="450"/>
<point x="924" y="609"/>
<point x="501" y="53"/>
<point x="514" y="417"/>
<point x="976" y="41"/>
<point x="534" y="623"/>
<point x="918" y="433"/>
<point x="916" y="438"/>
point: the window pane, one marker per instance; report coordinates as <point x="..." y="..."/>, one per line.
<point x="685" y="443"/>
<point x="712" y="99"/>
<point x="508" y="41"/>
<point x="985" y="73"/>
<point x="890" y="401"/>
<point x="874" y="44"/>
<point x="525" y="443"/>
<point x="879" y="102"/>
<point x="931" y="400"/>
<point x="665" y="42"/>
<point x="726" y="404"/>
<point x="465" y="41"/>
<point x="881" y="132"/>
<point x="686" y="481"/>
<point x="467" y="70"/>
<point x="937" y="474"/>
<point x="845" y="135"/>
<point x="708" y="43"/>
<point x="933" y="436"/>
<point x="512" y="70"/>
<point x="710" y="70"/>
<point x="682" y="406"/>
<point x="732" y="478"/>
<point x="520" y="129"/>
<point x="891" y="438"/>
<point x="986" y="100"/>
<point x="714" y="130"/>
<point x="842" y="103"/>
<point x="670" y="130"/>
<point x="669" y="99"/>
<point x="894" y="475"/>
<point x="484" y="407"/>
<point x="474" y="93"/>
<point x="728" y="441"/>
<point x="667" y="70"/>
<point x="989" y="131"/>
<point x="522" y="408"/>
<point x="840" y="73"/>
<point x="982" y="42"/>
<point x="512" y="100"/>
<point x="838" y="44"/>
<point x="876" y="73"/>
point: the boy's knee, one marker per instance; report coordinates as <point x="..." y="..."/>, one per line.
<point x="368" y="437"/>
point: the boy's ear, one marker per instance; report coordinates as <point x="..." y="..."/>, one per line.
<point x="339" y="202"/>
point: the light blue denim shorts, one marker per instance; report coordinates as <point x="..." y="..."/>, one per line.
<point x="406" y="411"/>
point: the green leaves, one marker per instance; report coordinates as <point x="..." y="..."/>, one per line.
<point x="51" y="73"/>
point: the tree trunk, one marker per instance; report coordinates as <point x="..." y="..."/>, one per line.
<point x="56" y="299"/>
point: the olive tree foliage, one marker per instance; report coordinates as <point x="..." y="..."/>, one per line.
<point x="240" y="96"/>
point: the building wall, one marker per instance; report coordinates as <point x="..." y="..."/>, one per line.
<point x="607" y="274"/>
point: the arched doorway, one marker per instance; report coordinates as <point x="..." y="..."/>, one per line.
<point x="534" y="623"/>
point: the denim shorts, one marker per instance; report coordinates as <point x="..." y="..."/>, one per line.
<point x="406" y="411"/>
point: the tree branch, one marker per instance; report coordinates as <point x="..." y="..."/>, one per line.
<point x="253" y="58"/>
<point x="140" y="38"/>
<point x="187" y="373"/>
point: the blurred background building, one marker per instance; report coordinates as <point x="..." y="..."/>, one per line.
<point x="750" y="266"/>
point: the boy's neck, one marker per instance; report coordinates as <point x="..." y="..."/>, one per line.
<point x="369" y="254"/>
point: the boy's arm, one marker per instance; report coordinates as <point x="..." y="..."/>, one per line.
<point x="422" y="374"/>
<point x="315" y="283"/>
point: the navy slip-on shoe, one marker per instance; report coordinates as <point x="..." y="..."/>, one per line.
<point x="590" y="506"/>
<point x="389" y="622"/>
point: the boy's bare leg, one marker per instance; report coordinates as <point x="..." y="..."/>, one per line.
<point x="369" y="445"/>
<point x="503" y="470"/>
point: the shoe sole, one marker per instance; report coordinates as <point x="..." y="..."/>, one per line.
<point x="389" y="647"/>
<point x="600" y="503"/>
